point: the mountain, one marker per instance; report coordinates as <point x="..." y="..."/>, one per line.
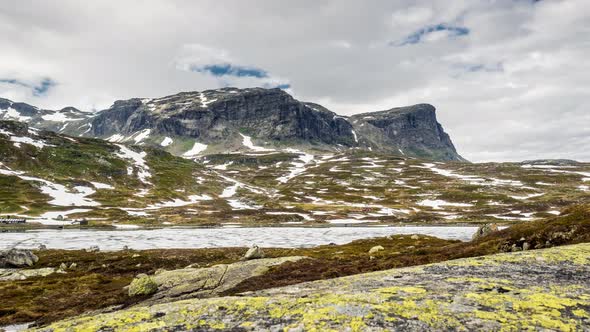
<point x="240" y="120"/>
<point x="44" y="174"/>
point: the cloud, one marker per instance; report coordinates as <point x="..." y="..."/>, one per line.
<point x="433" y="33"/>
<point x="508" y="78"/>
<point x="37" y="90"/>
<point x="227" y="69"/>
<point x="217" y="63"/>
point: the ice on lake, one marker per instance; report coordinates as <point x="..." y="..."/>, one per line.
<point x="173" y="237"/>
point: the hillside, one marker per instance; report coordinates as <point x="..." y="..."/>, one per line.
<point x="45" y="175"/>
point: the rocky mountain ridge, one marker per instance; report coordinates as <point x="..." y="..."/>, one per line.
<point x="242" y="120"/>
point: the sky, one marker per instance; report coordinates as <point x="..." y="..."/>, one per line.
<point x="510" y="78"/>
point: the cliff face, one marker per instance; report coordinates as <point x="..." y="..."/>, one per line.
<point x="411" y="130"/>
<point x="269" y="118"/>
<point x="217" y="115"/>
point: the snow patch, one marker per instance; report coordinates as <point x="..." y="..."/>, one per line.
<point x="437" y="203"/>
<point x="195" y="150"/>
<point x="166" y="141"/>
<point x="138" y="158"/>
<point x="247" y="142"/>
<point x="142" y="135"/>
<point x="59" y="117"/>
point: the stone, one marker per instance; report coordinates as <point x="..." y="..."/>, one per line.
<point x="526" y="246"/>
<point x="93" y="249"/>
<point x="22" y="274"/>
<point x="142" y="285"/>
<point x="63" y="266"/>
<point x="484" y="230"/>
<point x="73" y="265"/>
<point x="210" y="281"/>
<point x="375" y="249"/>
<point x="17" y="258"/>
<point x="254" y="253"/>
<point x="415" y="237"/>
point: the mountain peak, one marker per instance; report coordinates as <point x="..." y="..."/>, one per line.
<point x="232" y="120"/>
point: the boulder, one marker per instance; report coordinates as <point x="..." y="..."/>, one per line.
<point x="415" y="237"/>
<point x="142" y="285"/>
<point x="17" y="258"/>
<point x="376" y="249"/>
<point x="22" y="274"/>
<point x="484" y="230"/>
<point x="210" y="281"/>
<point x="254" y="253"/>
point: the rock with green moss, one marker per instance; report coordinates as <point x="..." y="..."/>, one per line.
<point x="142" y="285"/>
<point x="529" y="290"/>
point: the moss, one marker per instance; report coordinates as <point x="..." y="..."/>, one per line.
<point x="142" y="285"/>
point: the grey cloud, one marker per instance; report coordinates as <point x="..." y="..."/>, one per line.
<point x="515" y="87"/>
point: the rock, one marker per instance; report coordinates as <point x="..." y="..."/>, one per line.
<point x="484" y="230"/>
<point x="254" y="253"/>
<point x="59" y="218"/>
<point x="142" y="285"/>
<point x="526" y="246"/>
<point x="22" y="274"/>
<point x="63" y="266"/>
<point x="73" y="265"/>
<point x="489" y="293"/>
<point x="415" y="237"/>
<point x="375" y="249"/>
<point x="135" y="255"/>
<point x="210" y="281"/>
<point x="17" y="258"/>
<point x="93" y="249"/>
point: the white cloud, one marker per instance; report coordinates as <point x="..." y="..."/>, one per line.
<point x="515" y="87"/>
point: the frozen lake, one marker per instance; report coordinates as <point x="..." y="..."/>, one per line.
<point x="173" y="237"/>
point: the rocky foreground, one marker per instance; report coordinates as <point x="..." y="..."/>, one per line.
<point x="540" y="289"/>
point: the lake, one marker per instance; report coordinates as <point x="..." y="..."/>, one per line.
<point x="176" y="237"/>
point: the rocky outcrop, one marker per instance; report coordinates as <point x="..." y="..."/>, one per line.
<point x="17" y="258"/>
<point x="254" y="253"/>
<point x="269" y="118"/>
<point x="207" y="282"/>
<point x="412" y="130"/>
<point x="484" y="230"/>
<point x="22" y="274"/>
<point x="529" y="290"/>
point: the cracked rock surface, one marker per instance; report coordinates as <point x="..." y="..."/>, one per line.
<point x="538" y="290"/>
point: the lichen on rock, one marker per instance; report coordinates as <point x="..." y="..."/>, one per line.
<point x="538" y="290"/>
